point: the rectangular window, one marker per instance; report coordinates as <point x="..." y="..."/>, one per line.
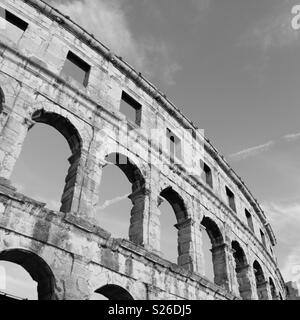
<point x="249" y="220"/>
<point x="131" y="109"/>
<point x="206" y="174"/>
<point x="263" y="238"/>
<point x="16" y="21"/>
<point x="13" y="26"/>
<point x="230" y="198"/>
<point x="77" y="69"/>
<point x="173" y="145"/>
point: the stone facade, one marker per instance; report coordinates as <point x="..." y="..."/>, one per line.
<point x="66" y="252"/>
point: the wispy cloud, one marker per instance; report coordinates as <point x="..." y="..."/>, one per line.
<point x="115" y="221"/>
<point x="292" y="137"/>
<point x="285" y="218"/>
<point x="108" y="20"/>
<point x="108" y="203"/>
<point x="250" y="152"/>
<point x="256" y="150"/>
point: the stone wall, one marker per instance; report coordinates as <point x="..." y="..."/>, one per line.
<point x="76" y="256"/>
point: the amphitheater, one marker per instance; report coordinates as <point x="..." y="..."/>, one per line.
<point x="163" y="155"/>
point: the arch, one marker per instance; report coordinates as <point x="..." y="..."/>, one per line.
<point x="62" y="125"/>
<point x="36" y="267"/>
<point x="72" y="136"/>
<point x="130" y="169"/>
<point x="183" y="226"/>
<point x="213" y="231"/>
<point x="239" y="254"/>
<point x="241" y="269"/>
<point x="258" y="272"/>
<point x="218" y="249"/>
<point x="273" y="289"/>
<point x="114" y="292"/>
<point x="137" y="196"/>
<point x="180" y="211"/>
<point x="168" y="240"/>
<point x="177" y="203"/>
<point x="262" y="291"/>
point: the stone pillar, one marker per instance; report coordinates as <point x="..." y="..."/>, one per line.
<point x="233" y="276"/>
<point x="275" y="295"/>
<point x="69" y="202"/>
<point x="12" y="136"/>
<point x="138" y="220"/>
<point x="198" y="248"/>
<point x="220" y="257"/>
<point x="76" y="284"/>
<point x="82" y="185"/>
<point x="190" y="254"/>
<point x="152" y="212"/>
<point x="153" y="230"/>
<point x="252" y="280"/>
<point x="264" y="291"/>
<point x="243" y="277"/>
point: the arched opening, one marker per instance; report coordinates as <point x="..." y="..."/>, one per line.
<point x="40" y="170"/>
<point x="17" y="283"/>
<point x="218" y="254"/>
<point x="241" y="269"/>
<point x="122" y="196"/>
<point x="176" y="202"/>
<point x="180" y="237"/>
<point x="45" y="158"/>
<point x="168" y="235"/>
<point x="111" y="292"/>
<point x="260" y="281"/>
<point x="273" y="289"/>
<point x="35" y="266"/>
<point x="207" y="256"/>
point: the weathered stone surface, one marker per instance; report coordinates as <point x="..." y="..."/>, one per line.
<point x="71" y="255"/>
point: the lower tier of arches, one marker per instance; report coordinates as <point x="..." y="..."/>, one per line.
<point x="69" y="258"/>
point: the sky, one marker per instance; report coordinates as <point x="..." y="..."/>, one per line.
<point x="232" y="66"/>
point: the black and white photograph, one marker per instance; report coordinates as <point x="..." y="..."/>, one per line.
<point x="149" y="150"/>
